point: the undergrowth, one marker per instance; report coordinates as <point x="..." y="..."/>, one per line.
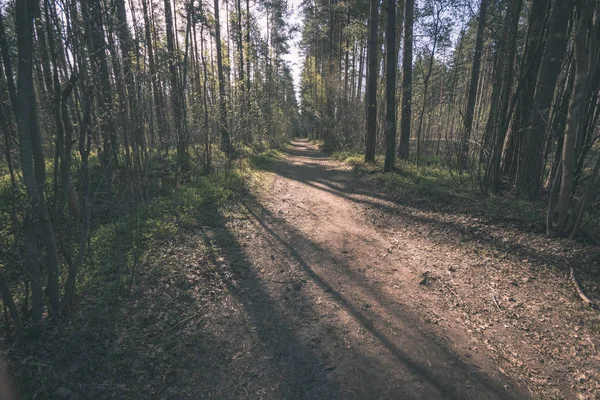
<point x="121" y="266"/>
<point x="439" y="187"/>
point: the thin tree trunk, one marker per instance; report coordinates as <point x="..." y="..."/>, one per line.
<point x="403" y="148"/>
<point x="464" y="153"/>
<point x="390" y="88"/>
<point x="372" y="83"/>
<point x="361" y="72"/>
<point x="26" y="109"/>
<point x="10" y="82"/>
<point x="574" y="116"/>
<point x="225" y="140"/>
<point x="506" y="57"/>
<point x="530" y="162"/>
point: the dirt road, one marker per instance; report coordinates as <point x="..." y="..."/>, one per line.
<point x="334" y="304"/>
<point x="311" y="285"/>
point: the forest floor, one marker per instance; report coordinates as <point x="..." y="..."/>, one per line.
<point x="317" y="285"/>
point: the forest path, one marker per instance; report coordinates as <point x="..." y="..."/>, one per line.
<point x="338" y="299"/>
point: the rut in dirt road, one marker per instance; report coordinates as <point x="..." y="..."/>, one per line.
<point x="347" y="299"/>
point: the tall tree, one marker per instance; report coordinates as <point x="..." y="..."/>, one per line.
<point x="534" y="135"/>
<point x="504" y="73"/>
<point x="472" y="95"/>
<point x="407" y="50"/>
<point x="30" y="150"/>
<point x="390" y="88"/>
<point x="523" y="96"/>
<point x="371" y="135"/>
<point x="576" y="103"/>
<point x="176" y="97"/>
<point x="225" y="140"/>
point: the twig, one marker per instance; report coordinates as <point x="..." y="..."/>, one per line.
<point x="113" y="385"/>
<point x="283" y="282"/>
<point x="495" y="301"/>
<point x="282" y="377"/>
<point x="174" y="326"/>
<point x="454" y="293"/>
<point x="582" y="295"/>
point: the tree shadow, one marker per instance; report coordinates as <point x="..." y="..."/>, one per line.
<point x="426" y="210"/>
<point x="294" y="368"/>
<point x="432" y="367"/>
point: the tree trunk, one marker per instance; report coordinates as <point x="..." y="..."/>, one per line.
<point x="532" y="55"/>
<point x="225" y="140"/>
<point x="10" y="82"/>
<point x="530" y="161"/>
<point x="472" y="96"/>
<point x="176" y="100"/>
<point x="403" y="148"/>
<point x="390" y="88"/>
<point x="576" y="105"/>
<point x="361" y="71"/>
<point x="505" y="65"/>
<point x="26" y="109"/>
<point x="248" y="46"/>
<point x="155" y="83"/>
<point x="92" y="12"/>
<point x="372" y="83"/>
<point x="207" y="152"/>
<point x="84" y="152"/>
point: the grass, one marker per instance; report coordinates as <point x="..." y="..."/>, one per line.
<point x="123" y="229"/>
<point x="434" y="186"/>
<point x="131" y="259"/>
<point x="266" y="159"/>
<point x="117" y="246"/>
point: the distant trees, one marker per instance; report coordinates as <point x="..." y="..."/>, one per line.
<point x="105" y="106"/>
<point x="510" y="100"/>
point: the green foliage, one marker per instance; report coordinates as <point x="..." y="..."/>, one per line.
<point x="435" y="185"/>
<point x="118" y="245"/>
<point x="267" y="159"/>
<point x="356" y="159"/>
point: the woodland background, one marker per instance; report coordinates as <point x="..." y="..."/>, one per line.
<point x="117" y="115"/>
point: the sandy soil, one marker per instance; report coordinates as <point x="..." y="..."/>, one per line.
<point x="347" y="296"/>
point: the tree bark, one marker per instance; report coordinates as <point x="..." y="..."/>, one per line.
<point x="405" y="122"/>
<point x="372" y="83"/>
<point x="390" y="88"/>
<point x="26" y="109"/>
<point x="10" y="82"/>
<point x="176" y="98"/>
<point x="225" y="140"/>
<point x="532" y="54"/>
<point x="574" y="115"/>
<point x="505" y="70"/>
<point x="529" y="180"/>
<point x="472" y="94"/>
<point x="92" y="12"/>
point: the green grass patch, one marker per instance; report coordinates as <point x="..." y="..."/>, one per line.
<point x="117" y="246"/>
<point x="356" y="159"/>
<point x="266" y="159"/>
<point x="437" y="186"/>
